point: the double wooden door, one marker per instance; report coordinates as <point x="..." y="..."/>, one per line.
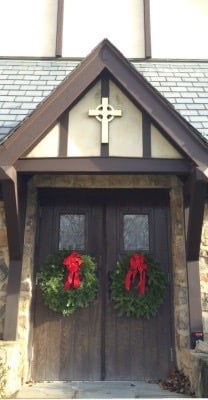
<point x="94" y="343"/>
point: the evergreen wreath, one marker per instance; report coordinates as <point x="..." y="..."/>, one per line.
<point x="143" y="300"/>
<point x="68" y="281"/>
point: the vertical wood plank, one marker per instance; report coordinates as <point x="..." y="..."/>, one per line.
<point x="46" y="361"/>
<point x="68" y="349"/>
<point x="136" y="349"/>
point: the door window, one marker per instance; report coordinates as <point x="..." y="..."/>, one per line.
<point x="72" y="232"/>
<point x="135" y="232"/>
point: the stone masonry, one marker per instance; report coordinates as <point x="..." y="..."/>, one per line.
<point x="4" y="262"/>
<point x="204" y="272"/>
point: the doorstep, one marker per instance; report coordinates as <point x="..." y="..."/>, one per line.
<point x="94" y="390"/>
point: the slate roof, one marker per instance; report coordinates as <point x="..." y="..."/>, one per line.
<point x="24" y="85"/>
<point x="185" y="86"/>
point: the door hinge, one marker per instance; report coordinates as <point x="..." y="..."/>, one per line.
<point x="171" y="354"/>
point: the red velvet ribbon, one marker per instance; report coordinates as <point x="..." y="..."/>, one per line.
<point x="72" y="263"/>
<point x="136" y="266"/>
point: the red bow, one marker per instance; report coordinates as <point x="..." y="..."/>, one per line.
<point x="137" y="265"/>
<point x="72" y="263"/>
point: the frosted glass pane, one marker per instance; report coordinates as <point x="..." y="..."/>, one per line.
<point x="136" y="232"/>
<point x="72" y="232"/>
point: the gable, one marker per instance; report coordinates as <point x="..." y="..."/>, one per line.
<point x="155" y="113"/>
<point x="125" y="134"/>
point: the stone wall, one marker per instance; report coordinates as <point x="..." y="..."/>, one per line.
<point x="203" y="262"/>
<point x="179" y="271"/>
<point x="195" y="366"/>
<point x="4" y="263"/>
<point x="13" y="355"/>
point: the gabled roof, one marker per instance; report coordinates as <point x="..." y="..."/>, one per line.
<point x="25" y="84"/>
<point x="33" y="108"/>
<point x="185" y="86"/>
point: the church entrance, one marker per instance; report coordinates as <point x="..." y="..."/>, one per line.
<point x="95" y="343"/>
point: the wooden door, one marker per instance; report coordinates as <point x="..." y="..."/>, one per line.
<point x="94" y="343"/>
<point x="137" y="349"/>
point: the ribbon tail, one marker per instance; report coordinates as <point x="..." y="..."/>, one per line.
<point x="68" y="282"/>
<point x="128" y="280"/>
<point x="76" y="282"/>
<point x="142" y="283"/>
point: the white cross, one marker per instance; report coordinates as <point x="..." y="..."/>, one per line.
<point x="104" y="113"/>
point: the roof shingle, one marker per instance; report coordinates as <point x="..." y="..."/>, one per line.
<point x="185" y="86"/>
<point x="25" y="84"/>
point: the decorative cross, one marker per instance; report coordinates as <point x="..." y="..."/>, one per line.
<point x="104" y="113"/>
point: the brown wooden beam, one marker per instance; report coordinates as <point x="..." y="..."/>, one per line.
<point x="3" y="175"/>
<point x="59" y="29"/>
<point x="9" y="189"/>
<point x="103" y="165"/>
<point x="197" y="188"/>
<point x="14" y="196"/>
<point x="22" y="202"/>
<point x="147" y="29"/>
<point x="7" y="172"/>
<point x="146" y="135"/>
<point x="63" y="140"/>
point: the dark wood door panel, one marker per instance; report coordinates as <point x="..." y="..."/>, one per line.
<point x="80" y="345"/>
<point x="94" y="343"/>
<point x="137" y="348"/>
<point x="67" y="348"/>
<point x="46" y="358"/>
